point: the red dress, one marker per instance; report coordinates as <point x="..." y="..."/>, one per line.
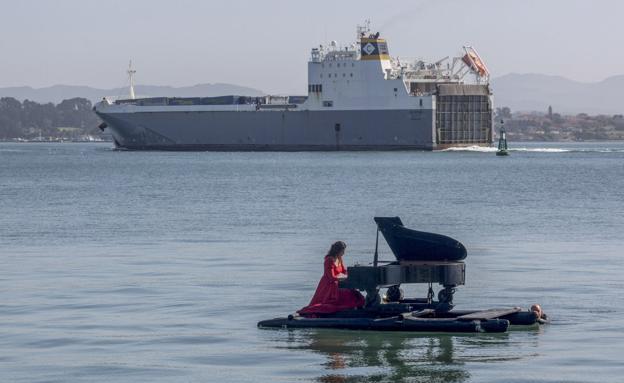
<point x="328" y="298"/>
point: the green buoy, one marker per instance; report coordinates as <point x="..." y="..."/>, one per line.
<point x="502" y="142"/>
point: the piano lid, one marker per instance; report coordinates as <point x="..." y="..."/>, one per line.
<point x="412" y="245"/>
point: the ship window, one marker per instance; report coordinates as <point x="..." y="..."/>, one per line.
<point x="351" y="74"/>
<point x="395" y="89"/>
<point x="421" y="102"/>
<point x="329" y="75"/>
<point x="343" y="75"/>
<point x="328" y="104"/>
<point x="338" y="65"/>
<point x="320" y="87"/>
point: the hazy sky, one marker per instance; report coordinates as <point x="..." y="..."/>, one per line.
<point x="265" y="43"/>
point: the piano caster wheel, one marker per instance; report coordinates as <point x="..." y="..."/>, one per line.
<point x="394" y="294"/>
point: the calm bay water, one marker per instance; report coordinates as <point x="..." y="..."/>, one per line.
<point x="155" y="266"/>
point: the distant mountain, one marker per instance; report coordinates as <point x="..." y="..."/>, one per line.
<point x="520" y="92"/>
<point x="58" y="93"/>
<point x="535" y="92"/>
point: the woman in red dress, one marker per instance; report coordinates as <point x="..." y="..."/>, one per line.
<point x="328" y="298"/>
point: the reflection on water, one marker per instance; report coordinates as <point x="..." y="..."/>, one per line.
<point x="353" y="356"/>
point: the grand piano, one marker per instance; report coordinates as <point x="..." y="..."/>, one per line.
<point x="420" y="257"/>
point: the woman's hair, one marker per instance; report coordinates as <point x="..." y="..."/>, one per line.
<point x="336" y="248"/>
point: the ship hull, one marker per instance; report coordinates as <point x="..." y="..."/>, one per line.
<point x="273" y="130"/>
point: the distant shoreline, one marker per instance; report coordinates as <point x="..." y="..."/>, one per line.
<point x="24" y="141"/>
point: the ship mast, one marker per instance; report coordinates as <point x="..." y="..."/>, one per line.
<point x="131" y="73"/>
<point x="362" y="30"/>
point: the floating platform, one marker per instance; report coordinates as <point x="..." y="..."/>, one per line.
<point x="462" y="321"/>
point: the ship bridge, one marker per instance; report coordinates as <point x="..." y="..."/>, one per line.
<point x="363" y="76"/>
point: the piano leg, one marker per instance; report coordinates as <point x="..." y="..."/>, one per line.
<point x="372" y="298"/>
<point x="445" y="298"/>
<point x="394" y="293"/>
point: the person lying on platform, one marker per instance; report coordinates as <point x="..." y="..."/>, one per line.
<point x="329" y="298"/>
<point x="541" y="315"/>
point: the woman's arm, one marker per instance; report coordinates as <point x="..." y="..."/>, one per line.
<point x="341" y="269"/>
<point x="332" y="270"/>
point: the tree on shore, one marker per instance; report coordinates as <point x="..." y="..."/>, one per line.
<point x="29" y="119"/>
<point x="504" y="113"/>
<point x="10" y="117"/>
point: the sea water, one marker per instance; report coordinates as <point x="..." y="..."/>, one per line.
<point x="156" y="266"/>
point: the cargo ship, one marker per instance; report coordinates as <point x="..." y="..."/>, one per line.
<point x="358" y="98"/>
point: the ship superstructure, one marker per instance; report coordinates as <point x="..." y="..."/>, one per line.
<point x="359" y="98"/>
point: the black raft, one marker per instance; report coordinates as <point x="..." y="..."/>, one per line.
<point x="421" y="257"/>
